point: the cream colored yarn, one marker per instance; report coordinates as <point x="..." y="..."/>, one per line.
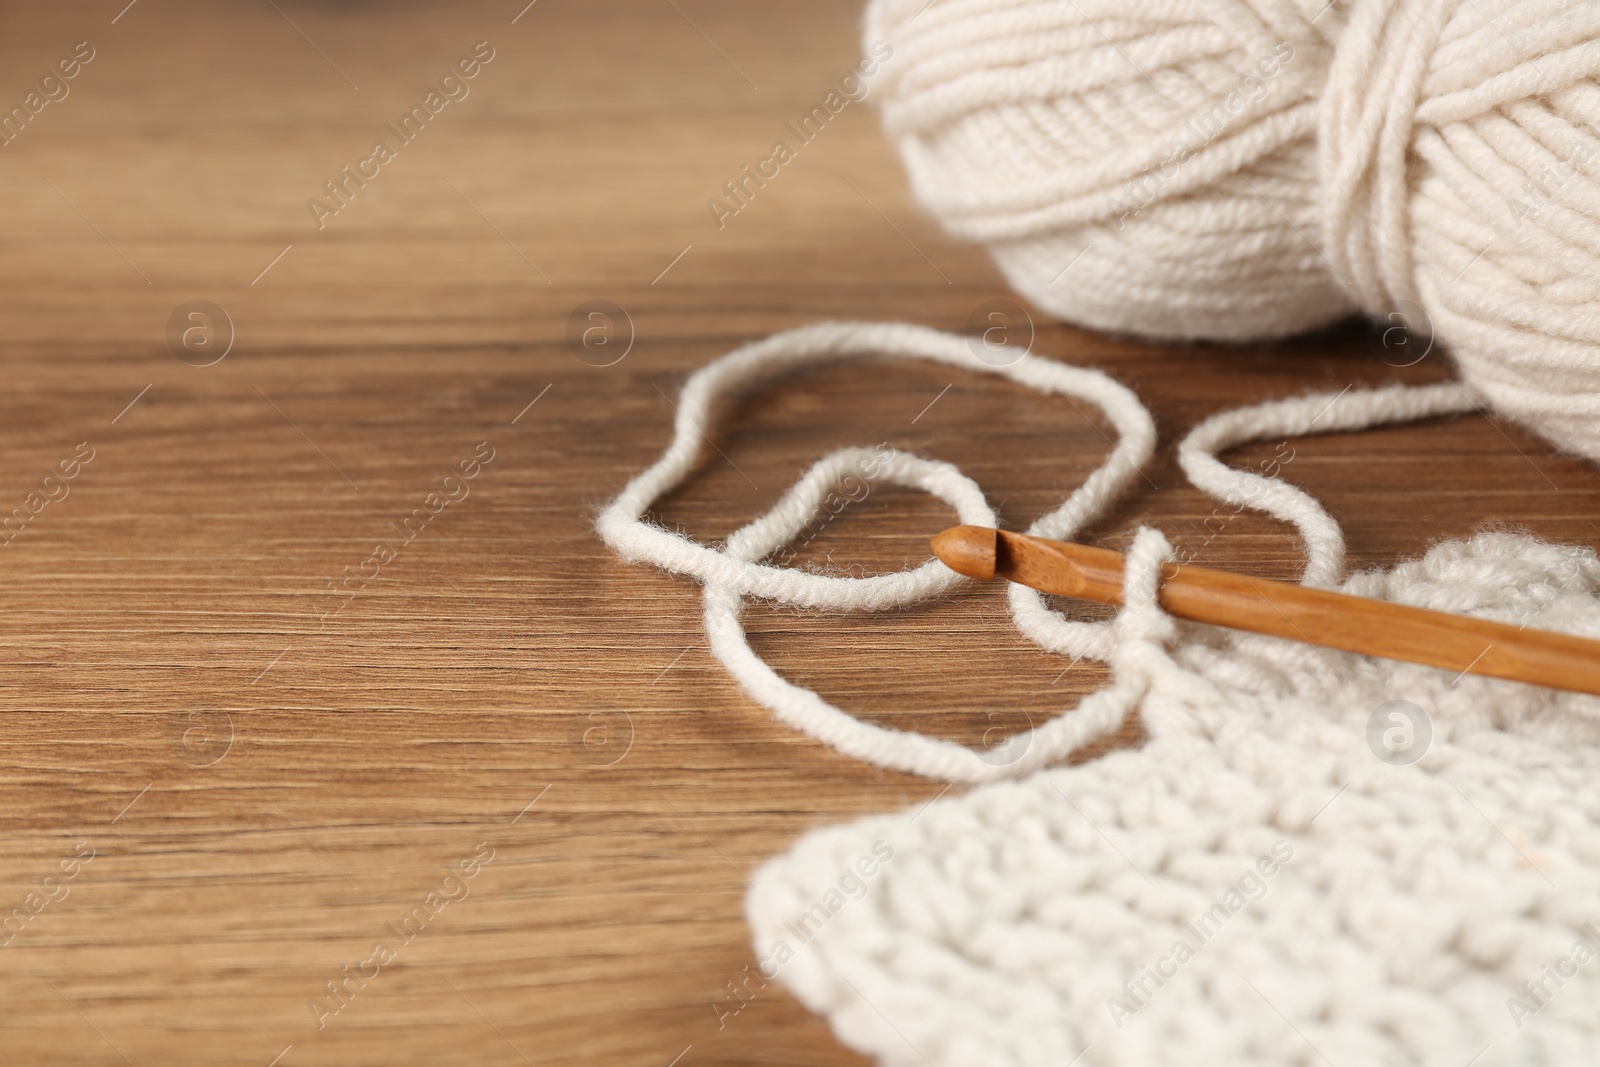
<point x="1034" y="923"/>
<point x="1235" y="169"/>
<point x="740" y="570"/>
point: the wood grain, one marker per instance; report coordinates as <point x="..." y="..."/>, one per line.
<point x="174" y="598"/>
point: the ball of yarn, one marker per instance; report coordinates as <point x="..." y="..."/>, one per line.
<point x="1239" y="169"/>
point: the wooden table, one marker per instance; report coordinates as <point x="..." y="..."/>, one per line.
<point x="267" y="789"/>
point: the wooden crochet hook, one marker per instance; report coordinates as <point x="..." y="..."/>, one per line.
<point x="1283" y="609"/>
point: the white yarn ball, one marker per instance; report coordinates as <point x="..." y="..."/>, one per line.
<point x="1237" y="169"/>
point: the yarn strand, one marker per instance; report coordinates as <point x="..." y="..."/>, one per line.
<point x="1129" y="643"/>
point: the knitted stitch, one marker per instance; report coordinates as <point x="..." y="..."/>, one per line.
<point x="1039" y="922"/>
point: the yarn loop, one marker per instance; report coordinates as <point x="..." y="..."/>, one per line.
<point x="731" y="575"/>
<point x="1126" y="643"/>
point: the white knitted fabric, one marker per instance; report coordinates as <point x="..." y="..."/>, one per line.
<point x="1237" y="169"/>
<point x="1414" y="903"/>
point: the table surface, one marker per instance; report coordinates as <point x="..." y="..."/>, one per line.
<point x="266" y="788"/>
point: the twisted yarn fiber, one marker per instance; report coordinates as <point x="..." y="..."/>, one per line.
<point x="732" y="574"/>
<point x="1236" y="169"/>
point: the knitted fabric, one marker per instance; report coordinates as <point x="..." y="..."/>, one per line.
<point x="1403" y="909"/>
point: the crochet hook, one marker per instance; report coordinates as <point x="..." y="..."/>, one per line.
<point x="1283" y="609"/>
